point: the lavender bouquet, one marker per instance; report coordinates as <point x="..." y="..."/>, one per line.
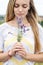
<point x="21" y="29"/>
<point x="19" y="37"/>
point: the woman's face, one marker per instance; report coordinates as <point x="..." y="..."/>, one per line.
<point x="21" y="8"/>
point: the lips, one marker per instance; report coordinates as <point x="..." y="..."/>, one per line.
<point x="20" y="14"/>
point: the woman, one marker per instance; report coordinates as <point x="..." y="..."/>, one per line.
<point x="21" y="36"/>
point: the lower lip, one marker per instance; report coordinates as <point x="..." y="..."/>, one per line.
<point x="20" y="14"/>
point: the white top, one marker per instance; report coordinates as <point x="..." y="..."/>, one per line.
<point x="8" y="37"/>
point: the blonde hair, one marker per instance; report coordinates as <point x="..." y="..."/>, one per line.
<point x="31" y="17"/>
<point x="10" y="11"/>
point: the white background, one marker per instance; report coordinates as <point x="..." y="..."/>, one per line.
<point x="38" y="5"/>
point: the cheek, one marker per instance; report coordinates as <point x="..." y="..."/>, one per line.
<point x="15" y="11"/>
<point x="26" y="11"/>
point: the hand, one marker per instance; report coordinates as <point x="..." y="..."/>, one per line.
<point x="17" y="47"/>
<point x="23" y="53"/>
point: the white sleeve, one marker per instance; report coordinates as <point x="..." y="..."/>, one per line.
<point x="1" y="42"/>
<point x="41" y="36"/>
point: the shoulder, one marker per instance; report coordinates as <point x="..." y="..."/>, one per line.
<point x="40" y="28"/>
<point x="2" y="27"/>
<point x="40" y="36"/>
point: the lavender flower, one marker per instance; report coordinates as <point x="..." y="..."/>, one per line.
<point x="21" y="29"/>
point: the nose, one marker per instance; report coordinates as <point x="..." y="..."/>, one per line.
<point x="20" y="9"/>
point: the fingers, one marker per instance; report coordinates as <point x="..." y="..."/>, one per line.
<point x="16" y="50"/>
<point x="22" y="51"/>
<point x="17" y="47"/>
<point x="18" y="44"/>
<point x="22" y="54"/>
<point x="13" y="51"/>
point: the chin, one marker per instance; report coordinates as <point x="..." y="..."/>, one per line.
<point x="21" y="16"/>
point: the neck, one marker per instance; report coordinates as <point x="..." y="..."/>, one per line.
<point x="24" y="20"/>
<point x="14" y="22"/>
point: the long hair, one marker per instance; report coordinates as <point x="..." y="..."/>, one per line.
<point x="31" y="17"/>
<point x="10" y="11"/>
